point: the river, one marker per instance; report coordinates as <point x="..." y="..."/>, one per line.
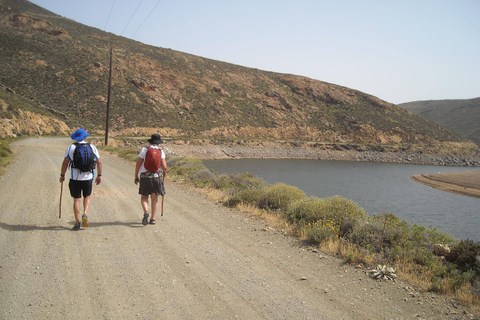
<point x="376" y="187"/>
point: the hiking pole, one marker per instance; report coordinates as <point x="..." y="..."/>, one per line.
<point x="163" y="197"/>
<point x="60" y="206"/>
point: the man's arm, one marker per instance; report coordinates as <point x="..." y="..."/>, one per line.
<point x="163" y="164"/>
<point x="138" y="166"/>
<point x="98" y="179"/>
<point x="64" y="168"/>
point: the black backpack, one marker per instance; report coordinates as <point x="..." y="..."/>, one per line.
<point x="83" y="157"/>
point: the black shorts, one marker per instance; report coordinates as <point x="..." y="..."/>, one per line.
<point x="151" y="185"/>
<point x="79" y="186"/>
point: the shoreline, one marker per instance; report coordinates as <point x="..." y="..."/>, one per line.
<point x="272" y="150"/>
<point x="464" y="182"/>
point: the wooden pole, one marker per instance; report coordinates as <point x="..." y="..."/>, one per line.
<point x="163" y="197"/>
<point x="60" y="206"/>
<point x="109" y="96"/>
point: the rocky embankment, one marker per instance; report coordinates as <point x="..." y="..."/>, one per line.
<point x="276" y="150"/>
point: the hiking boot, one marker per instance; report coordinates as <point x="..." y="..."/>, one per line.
<point x="76" y="226"/>
<point x="84" y="221"/>
<point x="145" y="219"/>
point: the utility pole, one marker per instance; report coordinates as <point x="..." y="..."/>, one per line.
<point x="109" y="96"/>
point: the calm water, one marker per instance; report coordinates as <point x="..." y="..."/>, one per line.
<point x="376" y="187"/>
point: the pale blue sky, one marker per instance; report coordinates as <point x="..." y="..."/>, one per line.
<point x="397" y="50"/>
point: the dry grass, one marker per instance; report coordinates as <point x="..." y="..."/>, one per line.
<point x="272" y="219"/>
<point x="415" y="274"/>
<point x="212" y="194"/>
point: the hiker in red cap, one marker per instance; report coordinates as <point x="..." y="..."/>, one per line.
<point x="82" y="157"/>
<point x="150" y="160"/>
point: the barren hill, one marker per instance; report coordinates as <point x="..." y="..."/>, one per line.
<point x="64" y="66"/>
<point x="460" y="116"/>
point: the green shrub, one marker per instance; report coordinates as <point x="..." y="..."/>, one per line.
<point x="466" y="256"/>
<point x="238" y="181"/>
<point x="305" y="211"/>
<point x="251" y="197"/>
<point x="173" y="161"/>
<point x="6" y="154"/>
<point x="279" y="196"/>
<point x="129" y="153"/>
<point x="224" y="183"/>
<point x="334" y="213"/>
<point x="368" y="235"/>
<point x="185" y="166"/>
<point x="322" y="230"/>
<point x="112" y="149"/>
<point x="243" y="181"/>
<point x="203" y="178"/>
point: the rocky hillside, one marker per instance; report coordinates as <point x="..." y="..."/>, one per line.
<point x="64" y="66"/>
<point x="19" y="116"/>
<point x="460" y="116"/>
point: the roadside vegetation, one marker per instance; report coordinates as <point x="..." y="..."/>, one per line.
<point x="430" y="259"/>
<point x="6" y="154"/>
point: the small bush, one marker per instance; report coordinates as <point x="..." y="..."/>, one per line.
<point x="322" y="230"/>
<point x="368" y="235"/>
<point x="129" y="153"/>
<point x="248" y="181"/>
<point x="6" y="154"/>
<point x="279" y="196"/>
<point x="224" y="183"/>
<point x="203" y="178"/>
<point x="466" y="256"/>
<point x="251" y="197"/>
<point x="305" y="211"/>
<point x="316" y="214"/>
<point x="185" y="166"/>
<point x="173" y="161"/>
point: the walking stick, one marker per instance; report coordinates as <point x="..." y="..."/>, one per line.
<point x="163" y="197"/>
<point x="60" y="206"/>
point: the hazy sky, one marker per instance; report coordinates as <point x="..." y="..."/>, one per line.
<point x="397" y="50"/>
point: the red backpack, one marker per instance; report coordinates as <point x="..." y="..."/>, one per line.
<point x="153" y="157"/>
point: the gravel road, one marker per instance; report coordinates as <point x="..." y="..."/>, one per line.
<point x="200" y="261"/>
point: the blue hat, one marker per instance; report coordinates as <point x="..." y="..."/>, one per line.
<point x="79" y="135"/>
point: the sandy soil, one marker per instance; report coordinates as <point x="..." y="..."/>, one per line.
<point x="201" y="260"/>
<point x="464" y="182"/>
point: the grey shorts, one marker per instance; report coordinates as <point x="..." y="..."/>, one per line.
<point x="151" y="185"/>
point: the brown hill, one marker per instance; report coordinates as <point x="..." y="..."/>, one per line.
<point x="460" y="116"/>
<point x="64" y="66"/>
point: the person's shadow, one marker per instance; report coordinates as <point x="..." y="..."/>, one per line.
<point x="26" y="227"/>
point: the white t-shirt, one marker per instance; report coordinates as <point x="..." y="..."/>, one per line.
<point x="142" y="154"/>
<point x="76" y="174"/>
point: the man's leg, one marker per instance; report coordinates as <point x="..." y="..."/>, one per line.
<point x="144" y="201"/>
<point x="86" y="207"/>
<point x="86" y="204"/>
<point x="154" y="205"/>
<point x="76" y="209"/>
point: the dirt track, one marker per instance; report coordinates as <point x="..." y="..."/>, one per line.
<point x="201" y="260"/>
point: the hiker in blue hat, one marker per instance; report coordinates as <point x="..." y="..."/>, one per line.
<point x="82" y="158"/>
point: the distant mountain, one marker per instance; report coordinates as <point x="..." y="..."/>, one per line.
<point x="62" y="67"/>
<point x="459" y="116"/>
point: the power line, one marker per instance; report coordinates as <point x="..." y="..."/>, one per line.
<point x="146" y="19"/>
<point x="131" y="17"/>
<point x="111" y="9"/>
